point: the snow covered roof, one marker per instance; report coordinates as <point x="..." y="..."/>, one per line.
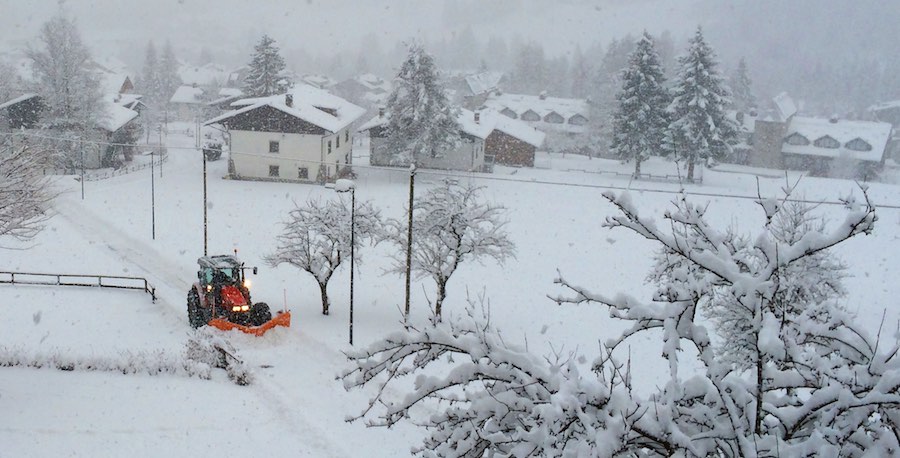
<point x="785" y="106"/>
<point x="116" y="116"/>
<point x="203" y="75"/>
<point x="875" y="134"/>
<point x="226" y="94"/>
<point x="489" y="120"/>
<point x="319" y="81"/>
<point x="18" y="99"/>
<point x="480" y="83"/>
<point x="885" y="105"/>
<point x="521" y="103"/>
<point x="187" y="94"/>
<point x="374" y="82"/>
<point x="309" y="104"/>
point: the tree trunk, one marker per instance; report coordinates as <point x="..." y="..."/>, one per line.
<point x="439" y="301"/>
<point x="637" y="168"/>
<point x="323" y="290"/>
<point x="690" y="176"/>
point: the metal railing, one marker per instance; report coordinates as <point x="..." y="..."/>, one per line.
<point x="96" y="281"/>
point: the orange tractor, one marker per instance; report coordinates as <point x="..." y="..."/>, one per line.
<point x="221" y="298"/>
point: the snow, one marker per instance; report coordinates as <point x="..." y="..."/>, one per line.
<point x="187" y="94"/>
<point x="875" y="134"/>
<point x="296" y="407"/>
<point x="307" y="101"/>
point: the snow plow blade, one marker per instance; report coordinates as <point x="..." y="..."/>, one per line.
<point x="281" y="319"/>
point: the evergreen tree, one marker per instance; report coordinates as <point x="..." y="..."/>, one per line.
<point x="602" y="94"/>
<point x="699" y="129"/>
<point x="742" y="96"/>
<point x="265" y="77"/>
<point x="530" y="73"/>
<point x="66" y="81"/>
<point x="168" y="73"/>
<point x="149" y="83"/>
<point x="640" y="121"/>
<point x="422" y="121"/>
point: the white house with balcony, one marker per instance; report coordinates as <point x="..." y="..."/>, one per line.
<point x="302" y="136"/>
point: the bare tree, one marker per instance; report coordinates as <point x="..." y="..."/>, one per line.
<point x="317" y="236"/>
<point x="25" y="194"/>
<point x="451" y="224"/>
<point x="817" y="384"/>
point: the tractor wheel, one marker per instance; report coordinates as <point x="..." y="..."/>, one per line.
<point x="260" y="314"/>
<point x="195" y="314"/>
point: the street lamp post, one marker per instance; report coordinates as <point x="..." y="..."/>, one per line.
<point x="349" y="186"/>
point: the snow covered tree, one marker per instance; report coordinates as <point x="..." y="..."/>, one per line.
<point x="640" y="122"/>
<point x="451" y="225"/>
<point x="149" y="83"/>
<point x="605" y="84"/>
<point x="530" y="74"/>
<point x="65" y="79"/>
<point x="422" y="122"/>
<point x="699" y="131"/>
<point x="266" y="74"/>
<point x="742" y="92"/>
<point x="316" y="239"/>
<point x="25" y="193"/>
<point x="817" y="385"/>
<point x="169" y="80"/>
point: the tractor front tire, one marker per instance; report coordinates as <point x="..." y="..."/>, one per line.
<point x="196" y="317"/>
<point x="260" y="314"/>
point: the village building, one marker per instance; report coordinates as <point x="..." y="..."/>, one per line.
<point x="486" y="138"/>
<point x="563" y="120"/>
<point x="187" y="103"/>
<point x="366" y="90"/>
<point x="778" y="137"/>
<point x="301" y="136"/>
<point x="22" y="112"/>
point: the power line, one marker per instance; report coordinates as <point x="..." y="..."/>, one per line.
<point x="457" y="174"/>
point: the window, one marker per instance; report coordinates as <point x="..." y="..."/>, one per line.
<point x="530" y="115"/>
<point x="303" y="173"/>
<point x="858" y="144"/>
<point x="796" y="139"/>
<point x="827" y="142"/>
<point x="347" y="136"/>
<point x="329" y="146"/>
<point x="337" y="141"/>
<point x="274" y="147"/>
<point x="273" y="171"/>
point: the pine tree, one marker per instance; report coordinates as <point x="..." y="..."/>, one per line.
<point x="149" y="83"/>
<point x="70" y="88"/>
<point x="422" y="122"/>
<point x="168" y="73"/>
<point x="640" y="121"/>
<point x="266" y="67"/>
<point x="742" y="96"/>
<point x="699" y="129"/>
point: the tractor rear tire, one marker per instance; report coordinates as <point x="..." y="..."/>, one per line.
<point x="260" y="314"/>
<point x="196" y="317"/>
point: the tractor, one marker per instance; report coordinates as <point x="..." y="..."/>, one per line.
<point x="221" y="298"/>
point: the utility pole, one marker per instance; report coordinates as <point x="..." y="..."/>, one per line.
<point x="152" y="199"/>
<point x="205" y="224"/>
<point x="82" y="170"/>
<point x="409" y="234"/>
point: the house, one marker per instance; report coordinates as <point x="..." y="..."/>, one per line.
<point x="779" y="138"/>
<point x="486" y="137"/>
<point x="471" y="90"/>
<point x="563" y="120"/>
<point x="889" y="112"/>
<point x="316" y="81"/>
<point x="187" y="103"/>
<point x="367" y="90"/>
<point x="204" y="76"/>
<point x="303" y="136"/>
<point x="22" y="112"/>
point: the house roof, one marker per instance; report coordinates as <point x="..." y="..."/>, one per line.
<point x="521" y="103"/>
<point x="18" y="99"/>
<point x="489" y="120"/>
<point x="875" y="134"/>
<point x="203" y="75"/>
<point x="784" y="106"/>
<point x="226" y="94"/>
<point x="480" y="83"/>
<point x="187" y="94"/>
<point x="309" y="104"/>
<point x="116" y="116"/>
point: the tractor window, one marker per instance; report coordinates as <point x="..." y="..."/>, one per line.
<point x="207" y="276"/>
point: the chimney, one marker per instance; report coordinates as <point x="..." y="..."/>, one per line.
<point x="289" y="100"/>
<point x="543" y="95"/>
<point x="477" y="117"/>
<point x="381" y="112"/>
<point x="833" y="119"/>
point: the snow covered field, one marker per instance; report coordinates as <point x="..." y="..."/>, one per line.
<point x="296" y="407"/>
